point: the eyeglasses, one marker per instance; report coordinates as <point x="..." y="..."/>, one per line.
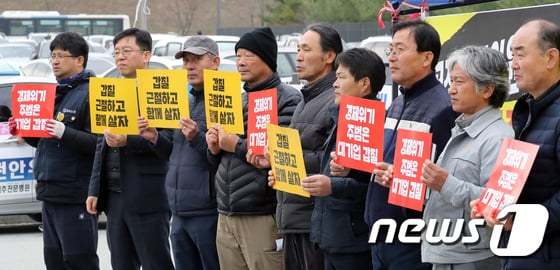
<point x="125" y="52"/>
<point x="60" y="57"/>
<point x="397" y="51"/>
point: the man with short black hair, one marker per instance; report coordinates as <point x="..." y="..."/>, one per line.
<point x="63" y="162"/>
<point x="423" y="106"/>
<point x="128" y="178"/>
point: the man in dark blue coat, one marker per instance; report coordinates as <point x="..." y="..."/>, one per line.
<point x="62" y="164"/>
<point x="423" y="106"/>
<point x="337" y="224"/>
<point x="536" y="119"/>
<point x="190" y="179"/>
<point x="128" y="178"/>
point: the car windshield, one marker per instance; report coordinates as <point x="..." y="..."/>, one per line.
<point x="16" y="51"/>
<point x="224" y="46"/>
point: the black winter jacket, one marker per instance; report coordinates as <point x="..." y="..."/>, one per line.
<point x="313" y="121"/>
<point x="537" y="121"/>
<point x="241" y="188"/>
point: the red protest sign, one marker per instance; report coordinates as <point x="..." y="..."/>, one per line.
<point x="412" y="149"/>
<point x="262" y="110"/>
<point x="33" y="105"/>
<point x="359" y="139"/>
<point x="508" y="177"/>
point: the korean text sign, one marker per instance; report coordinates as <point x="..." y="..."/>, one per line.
<point x="359" y="139"/>
<point x="262" y="110"/>
<point x="223" y="100"/>
<point x="16" y="177"/>
<point x="286" y="159"/>
<point x="33" y="105"/>
<point x="16" y="169"/>
<point x="113" y="105"/>
<point x="412" y="149"/>
<point x="508" y="177"/>
<point x="163" y="96"/>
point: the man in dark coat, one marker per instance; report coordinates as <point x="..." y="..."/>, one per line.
<point x="63" y="162"/>
<point x="128" y="178"/>
<point x="247" y="229"/>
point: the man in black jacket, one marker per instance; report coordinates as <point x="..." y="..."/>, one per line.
<point x="317" y="51"/>
<point x="63" y="162"/>
<point x="337" y="224"/>
<point x="128" y="178"/>
<point x="247" y="230"/>
<point x="190" y="179"/>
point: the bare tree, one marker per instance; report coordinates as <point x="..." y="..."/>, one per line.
<point x="183" y="12"/>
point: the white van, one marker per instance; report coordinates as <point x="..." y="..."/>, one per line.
<point x="17" y="186"/>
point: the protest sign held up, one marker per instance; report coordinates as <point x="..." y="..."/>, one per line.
<point x="223" y="100"/>
<point x="508" y="177"/>
<point x="163" y="96"/>
<point x="262" y="110"/>
<point x="286" y="159"/>
<point x="412" y="149"/>
<point x="359" y="139"/>
<point x="33" y="105"/>
<point x="113" y="105"/>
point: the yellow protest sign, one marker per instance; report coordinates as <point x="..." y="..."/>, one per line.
<point x="223" y="100"/>
<point x="286" y="159"/>
<point x="163" y="97"/>
<point x="113" y="105"/>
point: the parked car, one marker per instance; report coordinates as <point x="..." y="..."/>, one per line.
<point x="44" y="51"/>
<point x="29" y="42"/>
<point x="104" y="40"/>
<point x="17" y="186"/>
<point x="167" y="63"/>
<point x="40" y="36"/>
<point x="155" y="63"/>
<point x="170" y="46"/>
<point x="17" y="54"/>
<point x="99" y="63"/>
<point x="157" y="37"/>
<point x="8" y="70"/>
<point x="386" y="93"/>
<point x="286" y="64"/>
<point x="378" y="44"/>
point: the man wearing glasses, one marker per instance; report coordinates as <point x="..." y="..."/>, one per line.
<point x="63" y="162"/>
<point x="128" y="178"/>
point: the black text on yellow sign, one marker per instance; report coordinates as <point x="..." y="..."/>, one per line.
<point x="286" y="159"/>
<point x="113" y="105"/>
<point x="163" y="96"/>
<point x="223" y="100"/>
